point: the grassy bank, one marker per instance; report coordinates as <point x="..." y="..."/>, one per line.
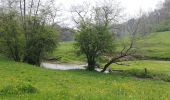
<point x="158" y="70"/>
<point x="156" y="66"/>
<point x="22" y="81"/>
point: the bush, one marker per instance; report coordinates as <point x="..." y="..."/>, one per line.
<point x="11" y="37"/>
<point x="43" y="41"/>
<point x="28" y="44"/>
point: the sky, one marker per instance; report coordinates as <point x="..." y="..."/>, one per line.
<point x="134" y="6"/>
<point x="131" y="7"/>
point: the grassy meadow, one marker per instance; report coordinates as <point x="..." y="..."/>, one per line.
<point x="19" y="81"/>
<point x="66" y="51"/>
<point x="156" y="45"/>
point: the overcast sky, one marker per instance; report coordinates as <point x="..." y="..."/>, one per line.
<point x="131" y="7"/>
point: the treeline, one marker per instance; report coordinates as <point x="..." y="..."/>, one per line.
<point x="162" y="17"/>
<point x="157" y="20"/>
<point x="26" y="30"/>
<point x="154" y="21"/>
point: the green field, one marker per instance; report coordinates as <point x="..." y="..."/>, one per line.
<point x="66" y="51"/>
<point x="19" y="81"/>
<point x="75" y="85"/>
<point x="156" y="66"/>
<point x="153" y="45"/>
<point x="156" y="45"/>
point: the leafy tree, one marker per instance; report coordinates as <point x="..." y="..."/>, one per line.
<point x="94" y="40"/>
<point x="95" y="37"/>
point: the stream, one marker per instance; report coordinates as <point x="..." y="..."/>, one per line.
<point x="62" y="66"/>
<point x="66" y="66"/>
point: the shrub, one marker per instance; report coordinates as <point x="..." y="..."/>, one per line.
<point x="11" y="37"/>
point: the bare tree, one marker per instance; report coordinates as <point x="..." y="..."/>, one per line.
<point x="80" y="13"/>
<point x="133" y="26"/>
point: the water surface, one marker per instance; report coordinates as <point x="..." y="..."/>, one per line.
<point x="67" y="66"/>
<point x="62" y="66"/>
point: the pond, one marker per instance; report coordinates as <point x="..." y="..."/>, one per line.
<point x="67" y="66"/>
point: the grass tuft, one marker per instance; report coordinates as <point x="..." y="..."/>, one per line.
<point x="18" y="89"/>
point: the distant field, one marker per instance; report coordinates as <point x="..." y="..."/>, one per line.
<point x="67" y="52"/>
<point x="24" y="82"/>
<point x="153" y="45"/>
<point x="156" y="45"/>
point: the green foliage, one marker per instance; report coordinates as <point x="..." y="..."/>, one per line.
<point x="12" y="39"/>
<point x="30" y="44"/>
<point x="94" y="40"/>
<point x="42" y="41"/>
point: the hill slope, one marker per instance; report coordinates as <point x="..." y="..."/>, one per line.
<point x="153" y="45"/>
<point x="156" y="45"/>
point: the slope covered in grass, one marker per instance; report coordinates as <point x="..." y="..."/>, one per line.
<point x="153" y="45"/>
<point x="156" y="45"/>
<point x="67" y="53"/>
<point x="23" y="81"/>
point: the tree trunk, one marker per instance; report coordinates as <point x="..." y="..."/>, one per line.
<point x="106" y="66"/>
<point x="113" y="60"/>
<point x="17" y="56"/>
<point x="91" y="64"/>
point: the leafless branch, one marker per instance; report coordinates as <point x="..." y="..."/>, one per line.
<point x="126" y="51"/>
